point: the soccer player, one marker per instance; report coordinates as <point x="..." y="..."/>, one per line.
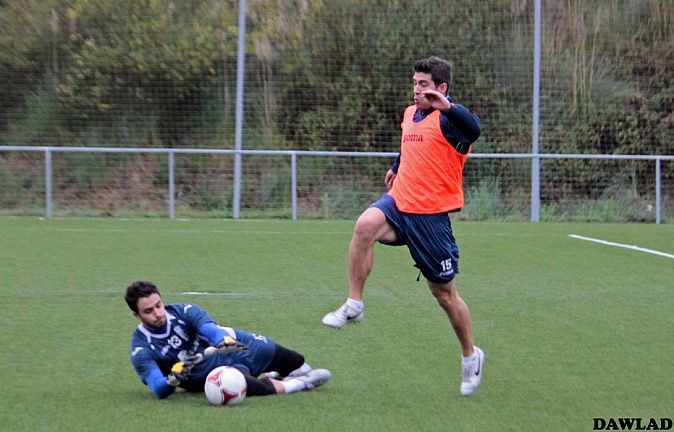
<point x="425" y="185"/>
<point x="168" y="350"/>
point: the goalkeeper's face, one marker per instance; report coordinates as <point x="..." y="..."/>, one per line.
<point x="151" y="311"/>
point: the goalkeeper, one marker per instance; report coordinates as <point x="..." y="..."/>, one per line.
<point x="177" y="345"/>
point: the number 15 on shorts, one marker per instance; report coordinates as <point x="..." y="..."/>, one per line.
<point x="446" y="266"/>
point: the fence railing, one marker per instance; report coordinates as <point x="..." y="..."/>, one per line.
<point x="293" y="155"/>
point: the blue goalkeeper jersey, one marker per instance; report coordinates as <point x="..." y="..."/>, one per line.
<point x="183" y="336"/>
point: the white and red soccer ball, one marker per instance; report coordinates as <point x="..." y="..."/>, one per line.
<point x="225" y="385"/>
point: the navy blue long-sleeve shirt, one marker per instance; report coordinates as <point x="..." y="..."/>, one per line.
<point x="460" y="127"/>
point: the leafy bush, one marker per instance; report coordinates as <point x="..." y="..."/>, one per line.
<point x="484" y="201"/>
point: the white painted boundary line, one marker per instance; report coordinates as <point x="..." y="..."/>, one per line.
<point x="633" y="247"/>
<point x="227" y="294"/>
<point x="178" y="231"/>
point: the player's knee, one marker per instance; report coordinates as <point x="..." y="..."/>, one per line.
<point x="443" y="298"/>
<point x="446" y="295"/>
<point x="369" y="226"/>
<point x="365" y="230"/>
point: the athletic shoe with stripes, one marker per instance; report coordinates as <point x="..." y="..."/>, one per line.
<point x="340" y="317"/>
<point x="471" y="375"/>
<point x="315" y="378"/>
<point x="302" y="370"/>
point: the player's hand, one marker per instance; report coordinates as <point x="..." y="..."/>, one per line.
<point x="227" y="345"/>
<point x="390" y="176"/>
<point x="193" y="359"/>
<point x="179" y="373"/>
<point x="436" y="99"/>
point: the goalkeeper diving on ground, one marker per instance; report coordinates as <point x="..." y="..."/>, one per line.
<point x="177" y="345"/>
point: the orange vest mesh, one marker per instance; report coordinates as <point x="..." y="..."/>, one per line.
<point x="430" y="175"/>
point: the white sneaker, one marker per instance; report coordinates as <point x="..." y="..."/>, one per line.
<point x="338" y="318"/>
<point x="302" y="370"/>
<point x="315" y="378"/>
<point x="472" y="374"/>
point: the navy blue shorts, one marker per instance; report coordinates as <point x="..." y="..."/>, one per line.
<point x="428" y="237"/>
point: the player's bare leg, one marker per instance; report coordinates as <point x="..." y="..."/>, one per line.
<point x="370" y="228"/>
<point x="309" y="381"/>
<point x="457" y="311"/>
<point x="459" y="316"/>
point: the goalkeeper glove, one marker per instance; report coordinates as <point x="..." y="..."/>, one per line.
<point x="180" y="371"/>
<point x="227" y="345"/>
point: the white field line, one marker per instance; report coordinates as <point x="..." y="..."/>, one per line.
<point x="224" y="294"/>
<point x="180" y="231"/>
<point x="621" y="245"/>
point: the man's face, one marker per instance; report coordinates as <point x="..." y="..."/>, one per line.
<point x="151" y="311"/>
<point x="423" y="81"/>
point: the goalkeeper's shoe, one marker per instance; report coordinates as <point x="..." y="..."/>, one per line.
<point x="273" y="375"/>
<point x="315" y="378"/>
<point x="472" y="371"/>
<point x="302" y="370"/>
<point x="340" y="317"/>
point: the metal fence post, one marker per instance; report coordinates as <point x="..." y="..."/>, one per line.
<point x="172" y="189"/>
<point x="535" y="160"/>
<point x="238" y="132"/>
<point x="47" y="183"/>
<point x="657" y="191"/>
<point x="293" y="184"/>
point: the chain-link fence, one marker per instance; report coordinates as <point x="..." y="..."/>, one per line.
<point x="330" y="76"/>
<point x="189" y="183"/>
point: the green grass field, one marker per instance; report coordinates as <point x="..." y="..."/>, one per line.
<point x="572" y="330"/>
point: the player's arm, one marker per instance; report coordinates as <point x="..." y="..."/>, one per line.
<point x="215" y="333"/>
<point x="460" y="126"/>
<point x="392" y="173"/>
<point x="151" y="375"/>
<point x="222" y="338"/>
<point x="396" y="165"/>
<point x="159" y="384"/>
<point x="205" y="326"/>
<point x="164" y="386"/>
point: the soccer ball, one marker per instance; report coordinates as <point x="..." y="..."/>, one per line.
<point x="225" y="385"/>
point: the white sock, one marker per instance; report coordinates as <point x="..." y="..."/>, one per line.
<point x="470" y="358"/>
<point x="355" y="305"/>
<point x="294" y="385"/>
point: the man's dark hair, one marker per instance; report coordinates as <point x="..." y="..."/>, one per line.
<point x="440" y="70"/>
<point x="138" y="290"/>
